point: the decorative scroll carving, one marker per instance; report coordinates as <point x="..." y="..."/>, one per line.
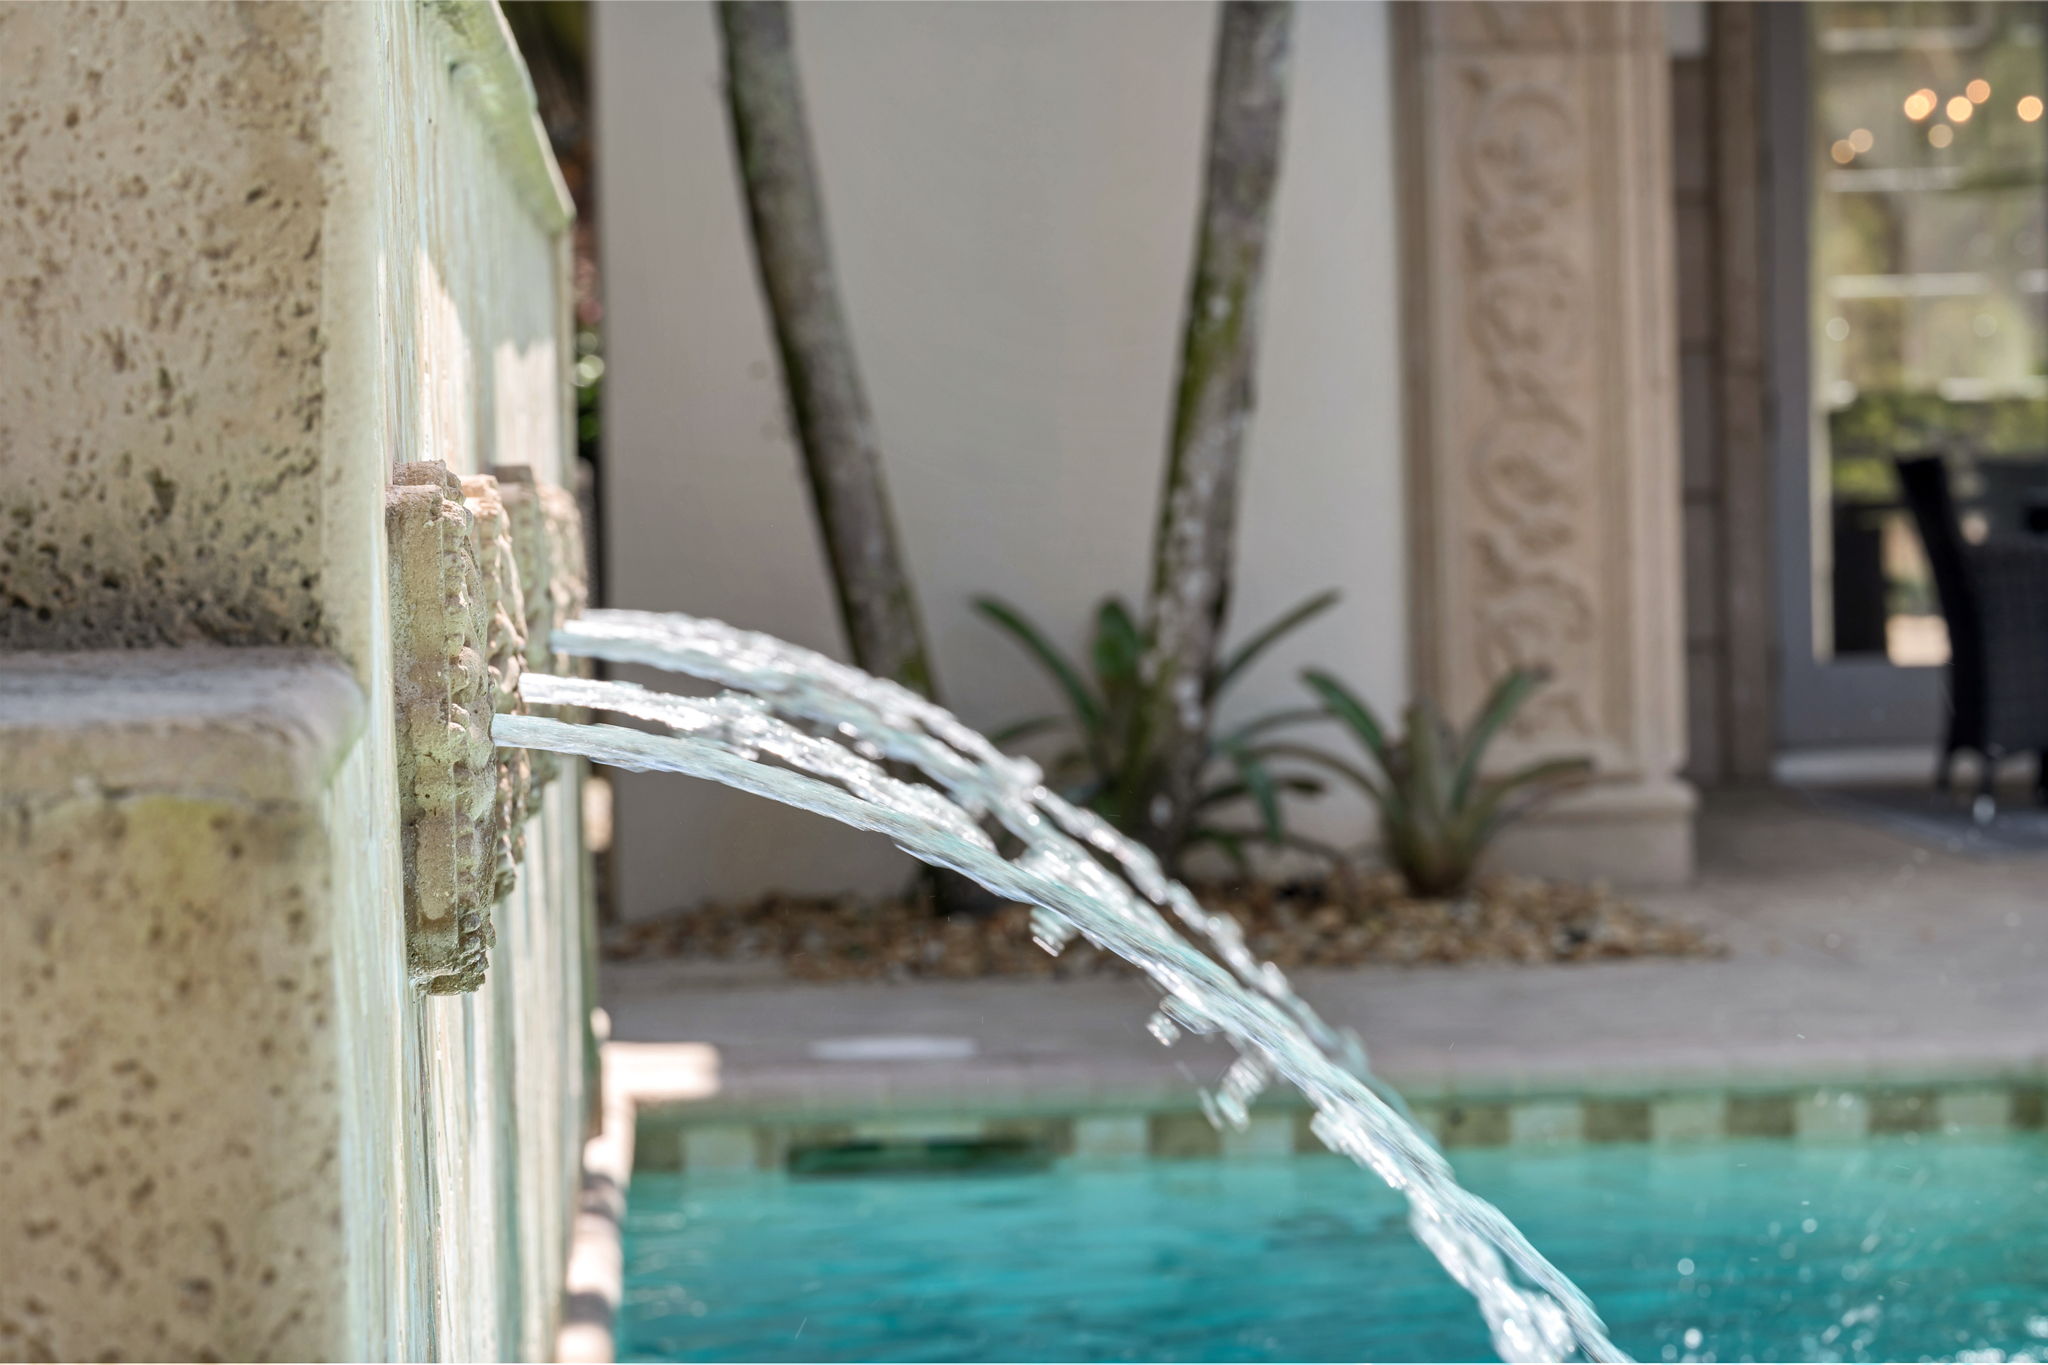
<point x="1511" y="24"/>
<point x="1530" y="617"/>
<point x="482" y="570"/>
<point x="533" y="549"/>
<point x="547" y="542"/>
<point x="1531" y="469"/>
<point x="1544" y="469"/>
<point x="570" y="583"/>
<point x="1522" y="148"/>
<point x="448" y="778"/>
<point x="506" y="660"/>
<point x="1534" y="539"/>
<point x="1542" y="285"/>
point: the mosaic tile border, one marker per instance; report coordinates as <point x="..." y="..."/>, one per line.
<point x="670" y="1139"/>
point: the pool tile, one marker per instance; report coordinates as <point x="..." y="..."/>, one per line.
<point x="774" y="1144"/>
<point x="1546" y="1123"/>
<point x="1694" y="1118"/>
<point x="1761" y="1116"/>
<point x="1174" y="1137"/>
<point x="918" y="1128"/>
<point x="1055" y="1135"/>
<point x="1111" y="1137"/>
<point x="657" y="1147"/>
<point x="1976" y="1111"/>
<point x="1474" y="1125"/>
<point x="1266" y="1135"/>
<point x="1611" y="1120"/>
<point x="719" y="1147"/>
<point x="1830" y="1116"/>
<point x="1428" y="1117"/>
<point x="1903" y="1111"/>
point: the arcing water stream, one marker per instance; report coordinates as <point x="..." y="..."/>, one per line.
<point x="807" y="731"/>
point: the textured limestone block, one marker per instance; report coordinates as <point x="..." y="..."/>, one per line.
<point x="160" y="323"/>
<point x="505" y="659"/>
<point x="170" y="1130"/>
<point x="447" y="765"/>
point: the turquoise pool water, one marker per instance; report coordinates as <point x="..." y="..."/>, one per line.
<point x="1896" y="1249"/>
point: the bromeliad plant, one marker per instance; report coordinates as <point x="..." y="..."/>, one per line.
<point x="1437" y="810"/>
<point x="1112" y="763"/>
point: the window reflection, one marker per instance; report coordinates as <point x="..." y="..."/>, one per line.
<point x="1930" y="297"/>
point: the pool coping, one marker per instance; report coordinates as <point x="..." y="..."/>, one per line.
<point x="594" y="1278"/>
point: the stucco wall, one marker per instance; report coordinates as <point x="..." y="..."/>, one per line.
<point x="278" y="250"/>
<point x="1011" y="193"/>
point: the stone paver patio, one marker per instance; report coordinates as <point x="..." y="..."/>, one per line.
<point x="1854" y="957"/>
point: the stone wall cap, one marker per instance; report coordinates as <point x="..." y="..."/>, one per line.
<point x="485" y="59"/>
<point x="251" y="724"/>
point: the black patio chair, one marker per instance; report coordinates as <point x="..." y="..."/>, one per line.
<point x="1994" y="596"/>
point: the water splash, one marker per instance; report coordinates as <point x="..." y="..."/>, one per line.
<point x="808" y="731"/>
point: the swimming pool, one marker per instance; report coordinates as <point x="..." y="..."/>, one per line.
<point x="1897" y="1248"/>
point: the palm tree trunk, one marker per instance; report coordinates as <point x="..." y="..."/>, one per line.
<point x="834" y="429"/>
<point x="1194" y="541"/>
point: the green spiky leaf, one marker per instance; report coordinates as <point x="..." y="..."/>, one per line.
<point x="1258" y="782"/>
<point x="1025" y="729"/>
<point x="1301" y="784"/>
<point x="1507" y="697"/>
<point x="1230" y="841"/>
<point x="1118" y="647"/>
<point x="1245" y="654"/>
<point x="1087" y="710"/>
<point x="1378" y="791"/>
<point x="1272" y="720"/>
<point x="1347" y="707"/>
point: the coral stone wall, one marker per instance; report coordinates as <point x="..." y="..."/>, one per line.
<point x="254" y="258"/>
<point x="162" y="427"/>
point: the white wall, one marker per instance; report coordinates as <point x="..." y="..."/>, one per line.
<point x="1011" y="192"/>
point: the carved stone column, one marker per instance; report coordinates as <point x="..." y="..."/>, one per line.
<point x="1543" y="406"/>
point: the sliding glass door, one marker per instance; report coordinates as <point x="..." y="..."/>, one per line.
<point x="1908" y="228"/>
